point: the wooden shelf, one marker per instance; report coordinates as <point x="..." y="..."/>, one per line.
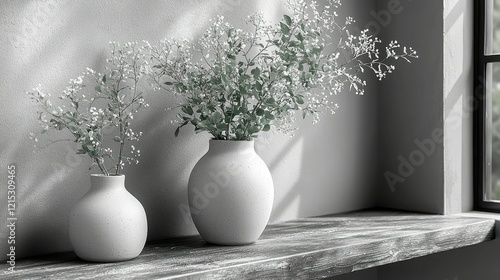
<point x="300" y="249"/>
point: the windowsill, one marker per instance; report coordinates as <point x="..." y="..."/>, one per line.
<point x="304" y="248"/>
<point x="480" y="214"/>
<point x="483" y="215"/>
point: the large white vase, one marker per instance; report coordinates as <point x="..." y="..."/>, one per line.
<point x="230" y="193"/>
<point x="108" y="224"/>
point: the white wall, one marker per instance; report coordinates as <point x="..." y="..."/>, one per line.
<point x="325" y="168"/>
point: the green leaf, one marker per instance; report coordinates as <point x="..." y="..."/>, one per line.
<point x="80" y="152"/>
<point x="117" y="139"/>
<point x="179" y="88"/>
<point x="255" y="72"/>
<point x="103" y="79"/>
<point x="267" y="127"/>
<point x="304" y="114"/>
<point x="98" y="88"/>
<point x="288" y="20"/>
<point x="300" y="37"/>
<point x="253" y="129"/>
<point x="260" y="112"/>
<point x="286" y="57"/>
<point x="224" y="79"/>
<point x="217" y="116"/>
<point x="239" y="134"/>
<point x="293" y="44"/>
<point x="216" y="70"/>
<point x="284" y="28"/>
<point x="299" y="99"/>
<point x="317" y="50"/>
<point x="258" y="86"/>
<point x="177" y="131"/>
<point x="242" y="89"/>
<point x="270" y="116"/>
<point x="168" y="83"/>
<point x="221" y="126"/>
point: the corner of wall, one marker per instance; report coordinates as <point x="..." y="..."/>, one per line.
<point x="411" y="111"/>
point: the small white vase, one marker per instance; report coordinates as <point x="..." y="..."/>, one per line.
<point x="230" y="193"/>
<point x="108" y="224"/>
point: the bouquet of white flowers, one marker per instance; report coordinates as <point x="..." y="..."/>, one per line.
<point x="248" y="81"/>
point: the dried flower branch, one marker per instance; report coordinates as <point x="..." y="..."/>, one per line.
<point x="97" y="107"/>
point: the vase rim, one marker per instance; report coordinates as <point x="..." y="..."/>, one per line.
<point x="229" y="140"/>
<point x="107" y="176"/>
<point x="228" y="145"/>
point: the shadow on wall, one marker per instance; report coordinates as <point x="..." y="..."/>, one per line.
<point x="51" y="42"/>
<point x="410" y="107"/>
<point x="325" y="168"/>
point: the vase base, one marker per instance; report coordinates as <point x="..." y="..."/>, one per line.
<point x="98" y="260"/>
<point x="218" y="243"/>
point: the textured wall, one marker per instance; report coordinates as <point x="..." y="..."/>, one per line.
<point x="325" y="168"/>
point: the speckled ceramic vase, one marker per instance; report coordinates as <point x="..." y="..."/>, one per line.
<point x="230" y="193"/>
<point x="108" y="224"/>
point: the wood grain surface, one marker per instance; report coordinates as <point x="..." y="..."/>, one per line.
<point x="306" y="248"/>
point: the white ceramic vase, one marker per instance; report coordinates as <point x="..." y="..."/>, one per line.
<point x="230" y="193"/>
<point x="108" y="224"/>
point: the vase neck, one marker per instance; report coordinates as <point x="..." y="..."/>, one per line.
<point x="99" y="181"/>
<point x="231" y="145"/>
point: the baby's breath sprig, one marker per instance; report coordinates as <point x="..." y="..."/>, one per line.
<point x="97" y="109"/>
<point x="236" y="83"/>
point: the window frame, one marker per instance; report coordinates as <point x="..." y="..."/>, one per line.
<point x="481" y="61"/>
